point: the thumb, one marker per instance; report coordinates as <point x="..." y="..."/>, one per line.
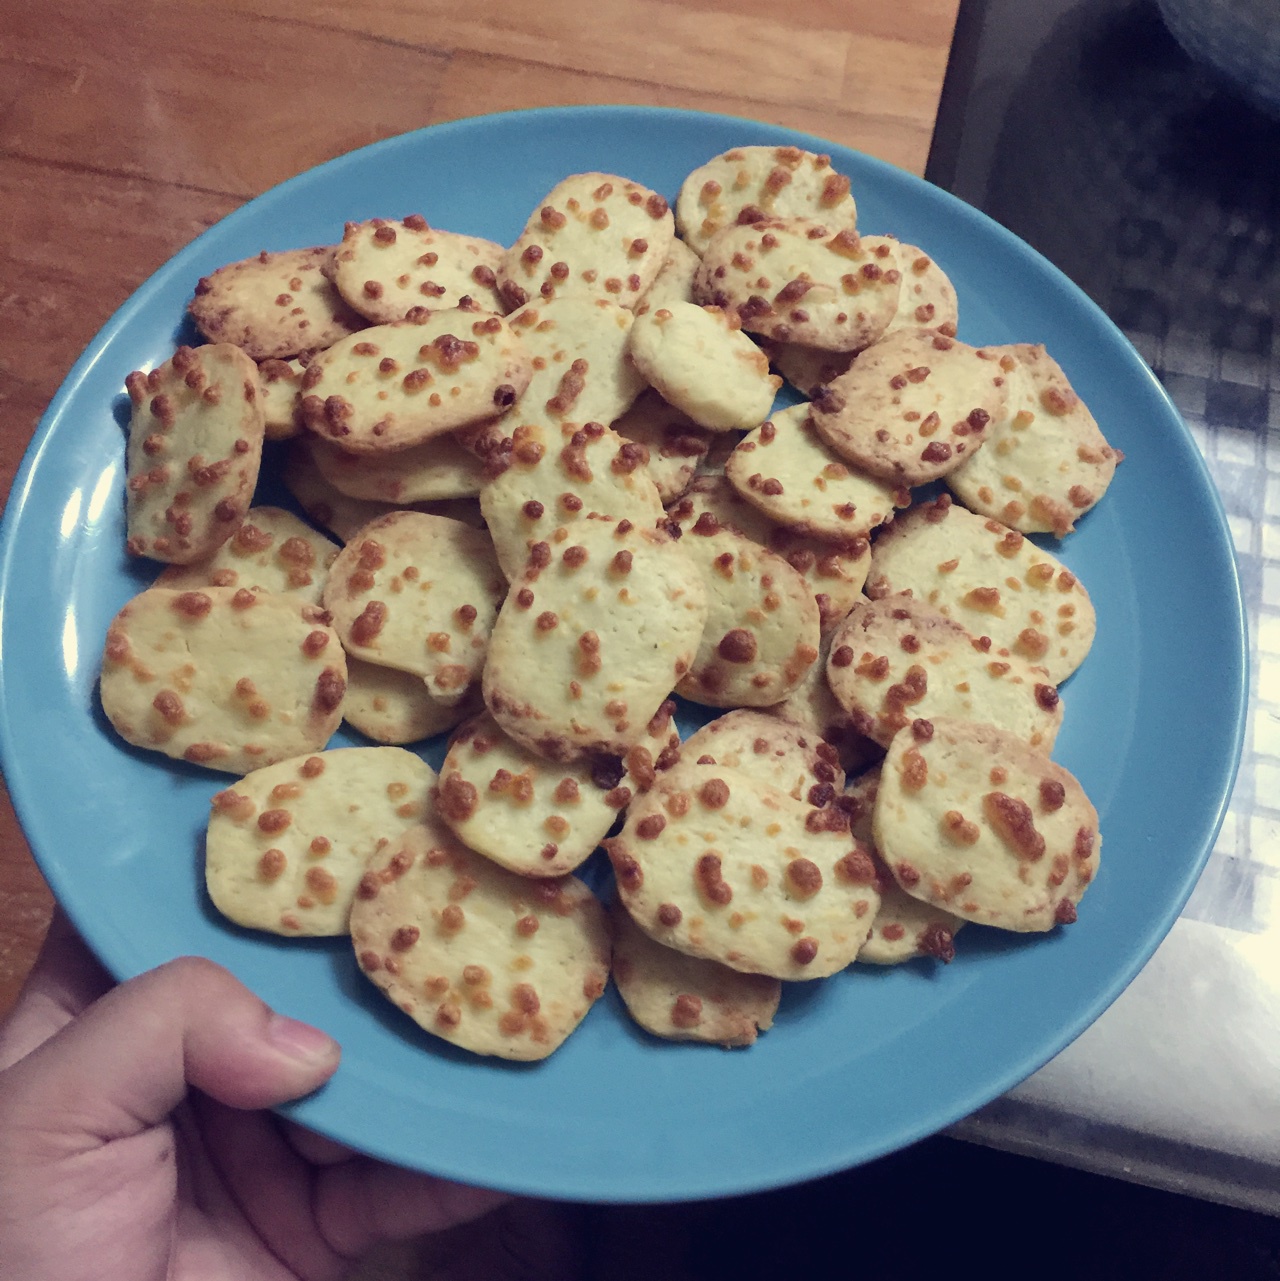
<point x="125" y="1063"/>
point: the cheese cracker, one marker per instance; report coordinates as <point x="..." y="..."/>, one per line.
<point x="972" y="820"/>
<point x="222" y="677"/>
<point x="592" y="637"/>
<point x="195" y="447"/>
<point x="720" y="865"/>
<point x="489" y="961"/>
<point x="419" y="593"/>
<point x="989" y="578"/>
<point x="287" y="844"/>
<point x="686" y="998"/>
<point x="399" y="384"/>
<point x="384" y="268"/>
<point x="276" y="305"/>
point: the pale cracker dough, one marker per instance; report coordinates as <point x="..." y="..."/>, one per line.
<point x="396" y="385"/>
<point x="990" y="579"/>
<point x="420" y="593"/>
<point x="717" y="864"/>
<point x="676" y="444"/>
<point x="384" y="268"/>
<point x="539" y="817"/>
<point x="1046" y="462"/>
<point x="898" y="659"/>
<point x="971" y="819"/>
<point x="287" y="844"/>
<point x="594" y="634"/>
<point x="686" y="998"/>
<point x="492" y="962"/>
<point x="395" y="707"/>
<point x="913" y="407"/>
<point x="593" y="233"/>
<point x="553" y="476"/>
<point x="802" y="281"/>
<point x="762" y="627"/>
<point x="195" y="447"/>
<point x="441" y="467"/>
<point x="789" y="472"/>
<point x="905" y="929"/>
<point x="702" y="363"/>
<point x="276" y="305"/>
<point x="578" y="348"/>
<point x="835" y="573"/>
<point x="756" y="182"/>
<point x="223" y="677"/>
<point x="272" y="551"/>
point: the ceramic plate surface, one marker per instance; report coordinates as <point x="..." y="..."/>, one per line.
<point x="855" y="1065"/>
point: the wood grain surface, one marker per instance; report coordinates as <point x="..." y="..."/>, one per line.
<point x="128" y="128"/>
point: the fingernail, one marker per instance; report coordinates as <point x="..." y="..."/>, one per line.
<point x="300" y="1040"/>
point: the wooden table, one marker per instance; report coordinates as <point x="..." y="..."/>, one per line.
<point x="128" y="128"/>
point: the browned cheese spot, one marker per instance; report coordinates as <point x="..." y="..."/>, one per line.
<point x="1011" y="819"/>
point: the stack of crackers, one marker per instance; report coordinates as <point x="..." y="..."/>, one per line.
<point x="542" y="496"/>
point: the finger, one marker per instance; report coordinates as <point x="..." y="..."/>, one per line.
<point x="249" y="1159"/>
<point x="362" y="1202"/>
<point x="314" y="1147"/>
<point x="125" y="1063"/>
<point x="521" y="1241"/>
<point x="65" y="978"/>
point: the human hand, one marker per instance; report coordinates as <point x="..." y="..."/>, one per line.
<point x="134" y="1144"/>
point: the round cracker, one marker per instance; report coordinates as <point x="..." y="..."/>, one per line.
<point x="990" y="579"/>
<point x="339" y="513"/>
<point x="905" y="929"/>
<point x="594" y="634"/>
<point x="288" y="843"/>
<point x="276" y="305"/>
<point x="806" y="368"/>
<point x="195" y="447"/>
<point x="913" y="407"/>
<point x="785" y="756"/>
<point x="676" y="444"/>
<point x="718" y="864"/>
<point x="593" y="233"/>
<point x="223" y="677"/>
<point x="396" y="385"/>
<point x="700" y="361"/>
<point x="272" y="551"/>
<point x="835" y="573"/>
<point x="438" y="468"/>
<point x="492" y="962"/>
<point x="395" y="707"/>
<point x="812" y="706"/>
<point x="1045" y="462"/>
<point x="686" y="998"/>
<point x="384" y="268"/>
<point x="971" y="819"/>
<point x="802" y="281"/>
<point x="788" y="471"/>
<point x="674" y="283"/>
<point x="552" y="477"/>
<point x="762" y="626"/>
<point x="928" y="298"/>
<point x="280" y="388"/>
<point x="534" y="816"/>
<point x="898" y="659"/>
<point x="750" y="183"/>
<point x="420" y="593"/>
<point x="578" y="347"/>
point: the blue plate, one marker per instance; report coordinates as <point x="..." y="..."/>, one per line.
<point x="856" y="1065"/>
